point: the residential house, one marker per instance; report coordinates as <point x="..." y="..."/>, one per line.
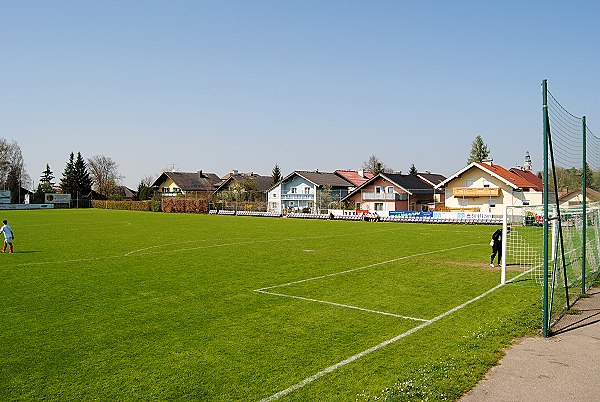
<point x="237" y="189"/>
<point x="125" y="193"/>
<point x="185" y="183"/>
<point x="575" y="197"/>
<point x="487" y="187"/>
<point x="356" y="177"/>
<point x="307" y="191"/>
<point x="434" y="180"/>
<point x="393" y="192"/>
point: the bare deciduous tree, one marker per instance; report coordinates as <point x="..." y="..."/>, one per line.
<point x="12" y="168"/>
<point x="375" y="166"/>
<point x="105" y="174"/>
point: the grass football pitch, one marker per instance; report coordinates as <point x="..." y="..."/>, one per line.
<point x="119" y="305"/>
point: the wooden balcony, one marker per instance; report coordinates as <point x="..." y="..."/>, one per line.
<point x="476" y="192"/>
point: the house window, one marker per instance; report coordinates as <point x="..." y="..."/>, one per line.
<point x="165" y="189"/>
<point x="525" y="202"/>
<point x="294" y="190"/>
<point x="306" y="190"/>
<point x="357" y="206"/>
<point x="176" y="190"/>
<point x="379" y="206"/>
<point x="390" y="190"/>
<point x="378" y="189"/>
<point x="492" y="203"/>
<point x="486" y="184"/>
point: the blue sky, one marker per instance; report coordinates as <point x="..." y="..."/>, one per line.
<point x="309" y="85"/>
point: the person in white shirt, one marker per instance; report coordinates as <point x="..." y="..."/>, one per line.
<point x="8" y="235"/>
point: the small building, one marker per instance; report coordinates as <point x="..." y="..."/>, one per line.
<point x="303" y="191"/>
<point x="242" y="189"/>
<point x="393" y="192"/>
<point x="185" y="183"/>
<point x="575" y="197"/>
<point x="125" y="193"/>
<point x="487" y="187"/>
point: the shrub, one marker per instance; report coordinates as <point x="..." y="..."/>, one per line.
<point x="126" y="205"/>
<point x="185" y="205"/>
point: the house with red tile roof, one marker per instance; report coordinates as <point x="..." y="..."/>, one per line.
<point x="356" y="177"/>
<point x="487" y="187"/>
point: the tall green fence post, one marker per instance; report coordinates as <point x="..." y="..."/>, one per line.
<point x="584" y="200"/>
<point x="546" y="129"/>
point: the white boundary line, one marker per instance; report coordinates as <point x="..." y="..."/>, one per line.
<point x="342" y="305"/>
<point x="364" y="267"/>
<point x="357" y="356"/>
<point x="265" y="289"/>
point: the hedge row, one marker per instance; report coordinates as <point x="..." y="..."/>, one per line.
<point x="185" y="205"/>
<point x="151" y="205"/>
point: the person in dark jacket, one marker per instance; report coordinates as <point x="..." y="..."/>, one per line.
<point x="496" y="244"/>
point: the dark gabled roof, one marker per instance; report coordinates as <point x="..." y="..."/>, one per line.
<point x="197" y="181"/>
<point x="433" y="178"/>
<point x="409" y="182"/>
<point x="127" y="192"/>
<point x="263" y="183"/>
<point x="323" y="179"/>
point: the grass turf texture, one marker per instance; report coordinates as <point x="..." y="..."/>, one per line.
<point x="118" y="305"/>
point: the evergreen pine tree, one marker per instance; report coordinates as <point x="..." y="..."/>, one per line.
<point x="413" y="170"/>
<point x="378" y="168"/>
<point x="82" y="180"/>
<point x="46" y="178"/>
<point x="67" y="183"/>
<point x="275" y="175"/>
<point x="479" y="151"/>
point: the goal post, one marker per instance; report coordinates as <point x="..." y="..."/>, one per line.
<point x="523" y="243"/>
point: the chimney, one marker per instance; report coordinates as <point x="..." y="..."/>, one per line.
<point x="488" y="162"/>
<point x="200" y="173"/>
<point x="361" y="173"/>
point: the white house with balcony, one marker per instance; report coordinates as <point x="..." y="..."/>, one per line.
<point x="303" y="191"/>
<point x="486" y="187"/>
<point x="388" y="192"/>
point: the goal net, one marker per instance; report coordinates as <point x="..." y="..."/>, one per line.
<point x="568" y="270"/>
<point x="523" y="248"/>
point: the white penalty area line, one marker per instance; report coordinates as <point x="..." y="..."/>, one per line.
<point x="342" y="305"/>
<point x="357" y="356"/>
<point x="264" y="290"/>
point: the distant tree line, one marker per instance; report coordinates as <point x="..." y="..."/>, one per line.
<point x="81" y="178"/>
<point x="569" y="179"/>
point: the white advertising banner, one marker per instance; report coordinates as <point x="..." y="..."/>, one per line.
<point x="462" y="215"/>
<point x="57" y="198"/>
